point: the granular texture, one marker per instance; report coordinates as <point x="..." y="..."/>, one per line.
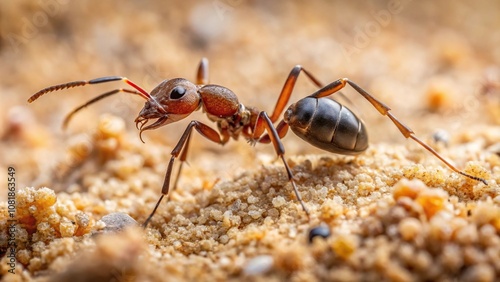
<point x="383" y="225"/>
<point x="394" y="212"/>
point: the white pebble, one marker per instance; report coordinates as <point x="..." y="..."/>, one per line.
<point x="279" y="201"/>
<point x="259" y="265"/>
<point x="252" y="200"/>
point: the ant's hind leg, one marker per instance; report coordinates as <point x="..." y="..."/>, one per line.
<point x="383" y="109"/>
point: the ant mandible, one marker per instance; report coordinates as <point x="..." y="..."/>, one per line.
<point x="323" y="123"/>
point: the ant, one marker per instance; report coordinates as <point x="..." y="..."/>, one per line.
<point x="323" y="123"/>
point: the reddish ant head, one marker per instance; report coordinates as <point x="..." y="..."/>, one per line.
<point x="171" y="101"/>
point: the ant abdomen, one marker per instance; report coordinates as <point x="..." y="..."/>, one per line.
<point x="327" y="125"/>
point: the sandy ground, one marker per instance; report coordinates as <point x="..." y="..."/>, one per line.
<point x="395" y="212"/>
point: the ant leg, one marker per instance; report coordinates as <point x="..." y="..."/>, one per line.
<point x="280" y="150"/>
<point x="182" y="159"/>
<point x="284" y="97"/>
<point x="287" y="89"/>
<point x="281" y="129"/>
<point x="206" y="132"/>
<point x="384" y="110"/>
<point x="143" y="92"/>
<point x="202" y="74"/>
<point x="102" y="96"/>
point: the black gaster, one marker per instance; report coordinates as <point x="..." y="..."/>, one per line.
<point x="327" y="125"/>
<point x="325" y="120"/>
<point x="347" y="131"/>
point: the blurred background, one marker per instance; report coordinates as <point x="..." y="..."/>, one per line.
<point x="435" y="63"/>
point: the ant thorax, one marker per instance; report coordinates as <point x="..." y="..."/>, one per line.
<point x="234" y="125"/>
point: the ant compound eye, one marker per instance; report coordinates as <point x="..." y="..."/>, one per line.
<point x="177" y="92"/>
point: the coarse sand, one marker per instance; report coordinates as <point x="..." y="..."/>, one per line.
<point x="395" y="212"/>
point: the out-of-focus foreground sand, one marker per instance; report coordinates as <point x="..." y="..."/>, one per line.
<point x="396" y="212"/>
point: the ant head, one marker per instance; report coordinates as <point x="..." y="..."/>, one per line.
<point x="171" y="101"/>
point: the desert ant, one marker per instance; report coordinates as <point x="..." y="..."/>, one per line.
<point x="323" y="123"/>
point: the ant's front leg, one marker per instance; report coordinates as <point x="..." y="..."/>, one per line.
<point x="182" y="145"/>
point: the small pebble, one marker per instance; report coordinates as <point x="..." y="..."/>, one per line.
<point x="259" y="265"/>
<point x="409" y="228"/>
<point x="321" y="230"/>
<point x="441" y="136"/>
<point x="117" y="221"/>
